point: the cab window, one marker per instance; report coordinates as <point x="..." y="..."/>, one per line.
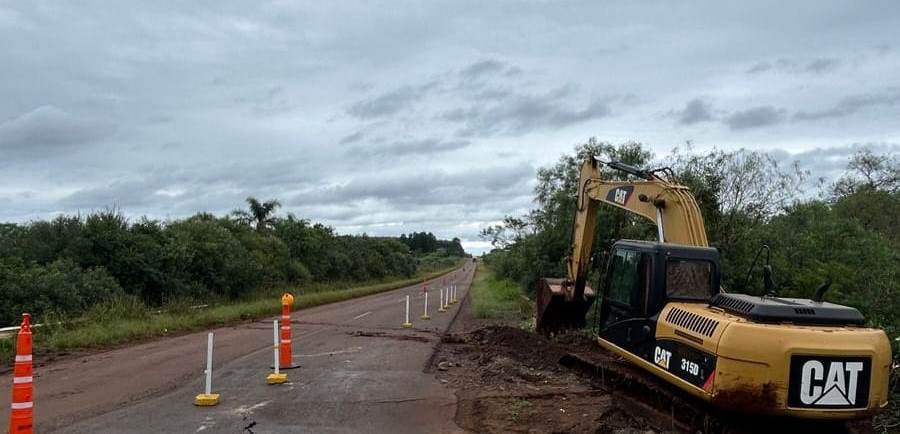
<point x="691" y="279"/>
<point x="628" y="279"/>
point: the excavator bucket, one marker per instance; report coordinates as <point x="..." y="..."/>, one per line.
<point x="555" y="312"/>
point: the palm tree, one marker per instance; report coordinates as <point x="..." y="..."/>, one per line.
<point x="260" y="214"/>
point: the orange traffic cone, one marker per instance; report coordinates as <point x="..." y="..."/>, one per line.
<point x="284" y="353"/>
<point x="21" y="419"/>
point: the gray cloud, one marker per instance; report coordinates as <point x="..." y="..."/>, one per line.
<point x="759" y="67"/>
<point x="696" y="110"/>
<point x="818" y="65"/>
<point x="822" y="65"/>
<point x="426" y="187"/>
<point x="218" y="187"/>
<point x="351" y="138"/>
<point x="120" y="193"/>
<point x="481" y="68"/>
<point x="755" y="117"/>
<point x="520" y="114"/>
<point x="47" y="130"/>
<point x="427" y="146"/>
<point x="273" y="100"/>
<point x="853" y="104"/>
<point x="391" y="102"/>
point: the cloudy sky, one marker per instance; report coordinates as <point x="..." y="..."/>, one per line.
<point x="393" y="117"/>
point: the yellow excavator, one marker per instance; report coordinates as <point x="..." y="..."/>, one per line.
<point x="661" y="307"/>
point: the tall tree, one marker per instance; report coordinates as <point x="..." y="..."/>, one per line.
<point x="261" y="215"/>
<point x="869" y="171"/>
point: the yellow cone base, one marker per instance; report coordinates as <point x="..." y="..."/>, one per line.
<point x="406" y="325"/>
<point x="425" y="317"/>
<point x="442" y="310"/>
<point x="205" y="400"/>
<point x="274" y="378"/>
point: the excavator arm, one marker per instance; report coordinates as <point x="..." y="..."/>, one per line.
<point x="564" y="302"/>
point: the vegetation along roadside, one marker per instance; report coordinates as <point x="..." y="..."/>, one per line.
<point x="126" y="320"/>
<point x="105" y="279"/>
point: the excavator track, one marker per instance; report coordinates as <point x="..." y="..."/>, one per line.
<point x="669" y="409"/>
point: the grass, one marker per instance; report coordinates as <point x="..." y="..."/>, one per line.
<point x="128" y="319"/>
<point x="497" y="298"/>
<point x="518" y="407"/>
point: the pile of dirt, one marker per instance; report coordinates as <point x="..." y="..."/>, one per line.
<point x="510" y="380"/>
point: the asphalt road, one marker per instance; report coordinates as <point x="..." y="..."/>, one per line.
<point x="359" y="372"/>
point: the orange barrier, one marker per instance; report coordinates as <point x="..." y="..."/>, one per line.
<point x="284" y="353"/>
<point x="21" y="419"/>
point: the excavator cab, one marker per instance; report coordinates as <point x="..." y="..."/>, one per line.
<point x="641" y="278"/>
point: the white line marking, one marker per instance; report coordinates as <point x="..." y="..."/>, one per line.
<point x="246" y="411"/>
<point x="362" y="315"/>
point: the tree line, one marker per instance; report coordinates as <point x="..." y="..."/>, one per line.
<point x="67" y="264"/>
<point x="426" y="242"/>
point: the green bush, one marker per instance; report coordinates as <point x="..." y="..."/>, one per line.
<point x="207" y="254"/>
<point x="60" y="287"/>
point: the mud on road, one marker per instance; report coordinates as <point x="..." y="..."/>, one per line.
<point x="510" y="380"/>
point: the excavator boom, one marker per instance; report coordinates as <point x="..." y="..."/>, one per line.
<point x="564" y="303"/>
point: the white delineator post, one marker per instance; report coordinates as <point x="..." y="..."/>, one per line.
<point x="276" y="377"/>
<point x="275" y="344"/>
<point x="441" y="302"/>
<point x="407" y="324"/>
<point x="209" y="353"/>
<point x="208" y="398"/>
<point x="425" y="315"/>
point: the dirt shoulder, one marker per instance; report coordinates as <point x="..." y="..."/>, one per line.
<point x="508" y="379"/>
